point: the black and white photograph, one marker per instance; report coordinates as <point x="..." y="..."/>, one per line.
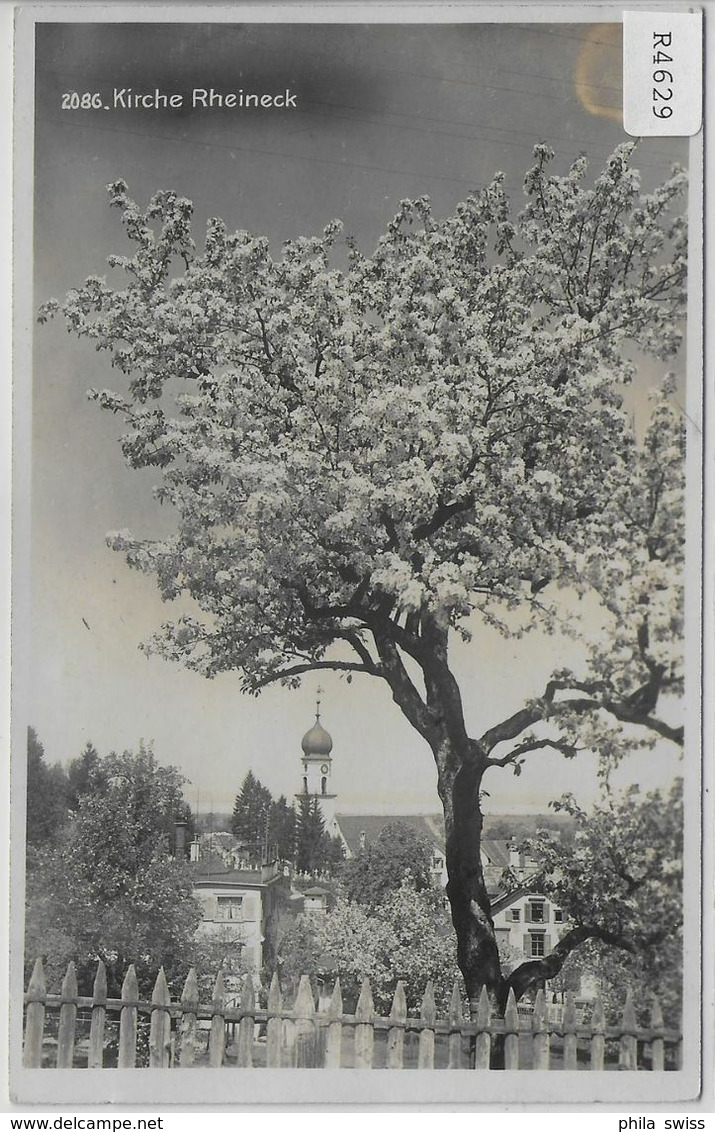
<point x="356" y="573"/>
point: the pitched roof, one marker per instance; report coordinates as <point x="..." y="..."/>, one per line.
<point x="507" y="898"/>
<point x="352" y="826"/>
<point x="213" y="870"/>
<point x="430" y="826"/>
<point x="497" y="851"/>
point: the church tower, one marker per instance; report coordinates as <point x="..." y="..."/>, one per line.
<point x="317" y="765"/>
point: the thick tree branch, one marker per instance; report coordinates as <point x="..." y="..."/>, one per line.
<point x="512" y="727"/>
<point x="524" y="748"/>
<point x="314" y="666"/>
<point x="636" y="709"/>
<point x="625" y="713"/>
<point x="536" y="971"/>
<point x="360" y="648"/>
<point x="403" y="690"/>
<point x="442" y="514"/>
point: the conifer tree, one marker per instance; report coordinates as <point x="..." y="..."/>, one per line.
<point x="310" y="832"/>
<point x="249" y="822"/>
<point x="47" y="795"/>
<point x="282" y="829"/>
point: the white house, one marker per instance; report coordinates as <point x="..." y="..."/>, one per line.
<point x="239" y="905"/>
<point x="527" y="922"/>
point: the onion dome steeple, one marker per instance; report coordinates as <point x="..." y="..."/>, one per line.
<point x="317" y="767"/>
<point x="317" y="743"/>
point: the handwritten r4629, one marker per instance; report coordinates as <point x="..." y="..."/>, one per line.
<point x="662" y="79"/>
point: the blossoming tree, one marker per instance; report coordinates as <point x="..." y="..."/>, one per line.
<point x="370" y="455"/>
<point x="624" y="872"/>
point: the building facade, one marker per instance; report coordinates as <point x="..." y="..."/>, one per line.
<point x="241" y="907"/>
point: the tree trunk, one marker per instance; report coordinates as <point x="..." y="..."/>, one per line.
<point x="461" y="763"/>
<point x="477" y="952"/>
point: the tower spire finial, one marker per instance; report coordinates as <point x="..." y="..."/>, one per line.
<point x="318" y="694"/>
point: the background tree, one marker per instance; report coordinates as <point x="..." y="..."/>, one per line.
<point x="85" y="773"/>
<point x="332" y="854"/>
<point x="621" y="886"/>
<point x="219" y="951"/>
<point x="408" y="937"/>
<point x="249" y="823"/>
<point x="309" y="835"/>
<point x="281" y="829"/>
<point x="47" y="795"/>
<point x="379" y="869"/>
<point x="111" y="889"/>
<point x="368" y="455"/>
<point x="612" y="973"/>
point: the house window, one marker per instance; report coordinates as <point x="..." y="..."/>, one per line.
<point x="536" y="946"/>
<point x="537" y="913"/>
<point x="229" y="907"/>
<point x="516" y="914"/>
<point x="558" y="915"/>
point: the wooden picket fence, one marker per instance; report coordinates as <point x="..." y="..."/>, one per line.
<point x="162" y="1034"/>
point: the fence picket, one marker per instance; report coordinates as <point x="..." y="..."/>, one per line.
<point x="245" y="1026"/>
<point x="35" y="1018"/>
<point x="511" y="1033"/>
<point x="598" y="1040"/>
<point x="455" y="1021"/>
<point x="540" y="1032"/>
<point x="364" y="1034"/>
<point x="334" y="1044"/>
<point x="128" y="1021"/>
<point x="274" y="1029"/>
<point x="68" y="1019"/>
<point x="97" y="1026"/>
<point x="657" y="1046"/>
<point x="428" y="1014"/>
<point x="304" y="1051"/>
<point x="628" y="1046"/>
<point x="187" y="1026"/>
<point x="217" y="1037"/>
<point x="483" y="1041"/>
<point x="160" y="1026"/>
<point x="569" y="1028"/>
<point x="396" y="1033"/>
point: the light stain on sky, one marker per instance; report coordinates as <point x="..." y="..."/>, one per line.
<point x="598" y="77"/>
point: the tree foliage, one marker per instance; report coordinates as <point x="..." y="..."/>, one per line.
<point x="110" y="889"/>
<point x="84" y="774"/>
<point x="249" y="823"/>
<point x="282" y="829"/>
<point x="620" y="884"/>
<point x="368" y="453"/>
<point x="409" y="937"/>
<point x="219" y="951"/>
<point x="47" y="795"/>
<point x="309" y="834"/>
<point x="380" y="868"/>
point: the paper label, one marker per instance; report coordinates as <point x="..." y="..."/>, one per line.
<point x="662" y="73"/>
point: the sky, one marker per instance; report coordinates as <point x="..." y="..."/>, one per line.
<point x="383" y="112"/>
